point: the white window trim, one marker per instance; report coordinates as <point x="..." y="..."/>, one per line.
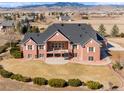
<point x="94" y="50"/>
<point x="87" y="49"/>
<point x="44" y="47"/>
<point x="32" y="47"/>
<point x="26" y="47"/>
<point x="77" y="46"/>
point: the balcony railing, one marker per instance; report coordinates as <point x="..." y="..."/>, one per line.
<point x="57" y="50"/>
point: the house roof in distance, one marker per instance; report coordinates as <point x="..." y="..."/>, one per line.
<point x="7" y="23"/>
<point x="75" y="32"/>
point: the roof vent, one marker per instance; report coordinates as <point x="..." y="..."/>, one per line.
<point x="62" y="24"/>
<point x="79" y="24"/>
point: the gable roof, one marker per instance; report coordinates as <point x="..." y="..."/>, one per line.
<point x="76" y="33"/>
<point x="65" y="17"/>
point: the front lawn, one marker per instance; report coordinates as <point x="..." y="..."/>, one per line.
<point x="67" y="71"/>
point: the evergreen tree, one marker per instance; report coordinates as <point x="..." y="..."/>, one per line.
<point x="37" y="30"/>
<point x="102" y="30"/>
<point x="114" y="31"/>
<point x="24" y="29"/>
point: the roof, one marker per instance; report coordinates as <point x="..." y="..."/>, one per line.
<point x="76" y="33"/>
<point x="65" y="17"/>
<point x="27" y="17"/>
<point x="7" y="23"/>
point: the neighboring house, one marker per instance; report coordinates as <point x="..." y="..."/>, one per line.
<point x="6" y="25"/>
<point x="64" y="18"/>
<point x="69" y="41"/>
<point x="28" y="18"/>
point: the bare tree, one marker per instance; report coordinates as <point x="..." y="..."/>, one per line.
<point x="10" y="36"/>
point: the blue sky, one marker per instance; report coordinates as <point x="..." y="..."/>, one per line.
<point x="15" y="4"/>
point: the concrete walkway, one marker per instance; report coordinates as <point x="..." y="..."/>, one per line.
<point x="56" y="60"/>
<point x="115" y="47"/>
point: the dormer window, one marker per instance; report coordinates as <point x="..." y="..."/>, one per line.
<point x="40" y="46"/>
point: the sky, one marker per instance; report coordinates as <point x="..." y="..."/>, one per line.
<point x="16" y="4"/>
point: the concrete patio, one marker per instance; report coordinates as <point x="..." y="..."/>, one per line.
<point x="56" y="60"/>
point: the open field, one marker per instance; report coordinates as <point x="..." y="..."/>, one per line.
<point x="84" y="72"/>
<point x="108" y="23"/>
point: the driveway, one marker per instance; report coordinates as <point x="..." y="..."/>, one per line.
<point x="114" y="46"/>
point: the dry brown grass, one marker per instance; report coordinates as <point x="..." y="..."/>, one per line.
<point x="67" y="71"/>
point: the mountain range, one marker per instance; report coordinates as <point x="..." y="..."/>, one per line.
<point x="58" y="4"/>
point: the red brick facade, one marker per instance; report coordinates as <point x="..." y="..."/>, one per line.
<point x="57" y="45"/>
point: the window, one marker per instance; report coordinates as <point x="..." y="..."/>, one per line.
<point x="29" y="47"/>
<point x="90" y="58"/>
<point x="29" y="55"/>
<point x="40" y="46"/>
<point x="75" y="46"/>
<point x="41" y="55"/>
<point x="91" y="49"/>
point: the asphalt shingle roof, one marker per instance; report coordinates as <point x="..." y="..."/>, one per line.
<point x="76" y="33"/>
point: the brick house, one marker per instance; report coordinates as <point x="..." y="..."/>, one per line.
<point x="66" y="40"/>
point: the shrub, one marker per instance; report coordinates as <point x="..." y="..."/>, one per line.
<point x="93" y="85"/>
<point x="1" y="67"/>
<point x="57" y="83"/>
<point x="26" y="79"/>
<point x="122" y="35"/>
<point x="117" y="66"/>
<point x="15" y="52"/>
<point x="74" y="82"/>
<point x="19" y="77"/>
<point x="40" y="81"/>
<point x="16" y="77"/>
<point x="5" y="74"/>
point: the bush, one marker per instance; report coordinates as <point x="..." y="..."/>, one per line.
<point x="26" y="79"/>
<point x="1" y="67"/>
<point x="5" y="74"/>
<point x="40" y="81"/>
<point x="74" y="82"/>
<point x="57" y="83"/>
<point x="121" y="35"/>
<point x="19" y="77"/>
<point x="93" y="85"/>
<point x="117" y="66"/>
<point x="15" y="52"/>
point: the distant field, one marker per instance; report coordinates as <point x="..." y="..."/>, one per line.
<point x="108" y="23"/>
<point x="39" y="69"/>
